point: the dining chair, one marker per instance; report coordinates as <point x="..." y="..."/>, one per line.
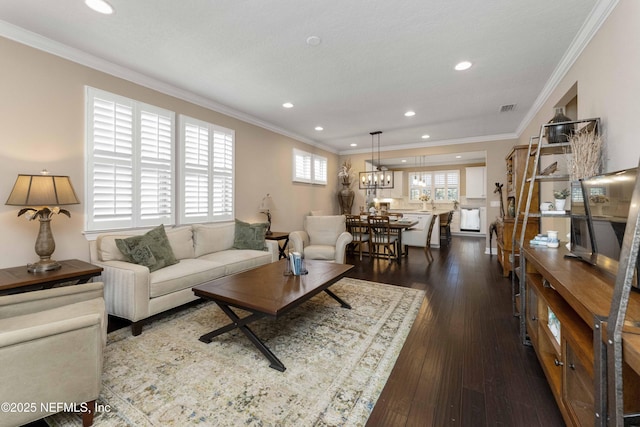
<point x="445" y="228"/>
<point x="359" y="231"/>
<point x="380" y="235"/>
<point x="427" y="246"/>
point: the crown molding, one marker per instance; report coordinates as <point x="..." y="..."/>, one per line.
<point x="78" y="56"/>
<point x="594" y="21"/>
<point x="469" y="140"/>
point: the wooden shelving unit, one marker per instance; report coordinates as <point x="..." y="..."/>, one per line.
<point x="517" y="162"/>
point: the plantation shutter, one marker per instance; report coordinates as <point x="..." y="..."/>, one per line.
<point x="129" y="149"/>
<point x="207" y="179"/>
<point x="301" y="166"/>
<point x="156" y="168"/>
<point x="319" y="170"/>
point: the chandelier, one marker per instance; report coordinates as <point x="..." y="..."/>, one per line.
<point x="379" y="177"/>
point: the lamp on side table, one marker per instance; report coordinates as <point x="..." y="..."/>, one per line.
<point x="39" y="193"/>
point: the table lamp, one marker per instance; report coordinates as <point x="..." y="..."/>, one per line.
<point x="265" y="207"/>
<point x="42" y="195"/>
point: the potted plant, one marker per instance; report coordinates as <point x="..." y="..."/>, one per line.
<point x="561" y="198"/>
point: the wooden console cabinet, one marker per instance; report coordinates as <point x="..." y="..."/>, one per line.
<point x="566" y="302"/>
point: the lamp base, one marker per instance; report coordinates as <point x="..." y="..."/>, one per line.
<point x="42" y="266"/>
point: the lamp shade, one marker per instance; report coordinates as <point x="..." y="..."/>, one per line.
<point x="267" y="203"/>
<point x="42" y="190"/>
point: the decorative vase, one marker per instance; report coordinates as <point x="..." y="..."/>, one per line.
<point x="425" y="206"/>
<point x="559" y="204"/>
<point x="345" y="198"/>
<point x="511" y="209"/>
<point x="560" y="133"/>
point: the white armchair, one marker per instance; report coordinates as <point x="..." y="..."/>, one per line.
<point x="323" y="238"/>
<point x="51" y="350"/>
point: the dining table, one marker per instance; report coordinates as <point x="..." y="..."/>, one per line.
<point x="399" y="224"/>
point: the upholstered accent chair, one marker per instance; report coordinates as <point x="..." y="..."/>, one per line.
<point x="51" y="350"/>
<point x="324" y="237"/>
<point x="360" y="232"/>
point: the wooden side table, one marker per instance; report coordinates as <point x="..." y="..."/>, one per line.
<point x="280" y="235"/>
<point x="15" y="280"/>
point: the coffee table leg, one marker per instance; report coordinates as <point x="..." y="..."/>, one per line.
<point x="337" y="298"/>
<point x="242" y="325"/>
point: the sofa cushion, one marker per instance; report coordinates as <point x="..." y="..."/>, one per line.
<point x="237" y="260"/>
<point x="324" y="230"/>
<point x="208" y="238"/>
<point x="249" y="236"/>
<point x="187" y="274"/>
<point x="152" y="249"/>
<point x="107" y="249"/>
<point x="320" y="252"/>
<point x="181" y="241"/>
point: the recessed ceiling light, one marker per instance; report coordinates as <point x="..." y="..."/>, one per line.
<point x="458" y="157"/>
<point x="354" y="144"/>
<point x="100" y="6"/>
<point x="425" y="136"/>
<point x="319" y="128"/>
<point x="404" y="160"/>
<point x="314" y="40"/>
<point x="410" y="113"/>
<point x="464" y="65"/>
<point x="287" y="105"/>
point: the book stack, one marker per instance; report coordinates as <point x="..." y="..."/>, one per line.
<point x="539" y="240"/>
<point x="297" y="264"/>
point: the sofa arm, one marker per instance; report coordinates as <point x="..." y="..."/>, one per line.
<point x="341" y="246"/>
<point x="126" y="289"/>
<point x="298" y="240"/>
<point x="274" y="249"/>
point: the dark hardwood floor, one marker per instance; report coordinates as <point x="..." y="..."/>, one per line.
<point x="462" y="363"/>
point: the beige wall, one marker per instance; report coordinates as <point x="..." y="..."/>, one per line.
<point x="608" y="86"/>
<point x="42" y="122"/>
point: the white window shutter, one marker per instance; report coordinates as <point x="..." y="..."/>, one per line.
<point x="130" y="161"/>
<point x="207" y="178"/>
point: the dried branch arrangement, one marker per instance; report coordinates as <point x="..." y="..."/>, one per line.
<point x="585" y="159"/>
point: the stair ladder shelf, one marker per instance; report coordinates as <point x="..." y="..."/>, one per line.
<point x="609" y="380"/>
<point x="540" y="145"/>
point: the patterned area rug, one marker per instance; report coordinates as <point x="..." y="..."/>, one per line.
<point x="337" y="360"/>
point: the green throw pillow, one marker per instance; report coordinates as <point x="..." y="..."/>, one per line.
<point x="250" y="236"/>
<point x="151" y="249"/>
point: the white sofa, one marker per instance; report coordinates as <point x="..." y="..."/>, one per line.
<point x="325" y="237"/>
<point x="205" y="252"/>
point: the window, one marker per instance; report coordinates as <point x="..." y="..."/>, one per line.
<point x="130" y="163"/>
<point x="309" y="168"/>
<point x="438" y="185"/>
<point x="207" y="178"/>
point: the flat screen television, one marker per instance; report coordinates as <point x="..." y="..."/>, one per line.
<point x="599" y="214"/>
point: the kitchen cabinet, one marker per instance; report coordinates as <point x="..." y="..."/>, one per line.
<point x="476" y="182"/>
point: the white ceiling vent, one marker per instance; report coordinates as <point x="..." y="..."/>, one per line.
<point x="507" y="108"/>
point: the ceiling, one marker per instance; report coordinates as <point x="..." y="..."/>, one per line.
<point x="375" y="60"/>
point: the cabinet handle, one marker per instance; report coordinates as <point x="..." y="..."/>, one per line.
<point x="572" y="366"/>
<point x="534" y="318"/>
<point x="557" y="362"/>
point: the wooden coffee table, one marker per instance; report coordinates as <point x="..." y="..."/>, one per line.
<point x="266" y="292"/>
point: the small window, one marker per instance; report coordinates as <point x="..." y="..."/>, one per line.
<point x="309" y="168"/>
